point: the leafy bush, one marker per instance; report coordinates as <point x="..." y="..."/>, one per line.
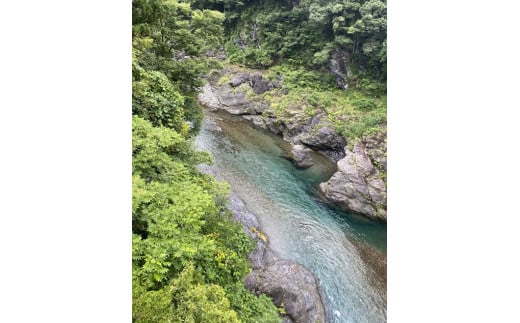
<point x="188" y="255"/>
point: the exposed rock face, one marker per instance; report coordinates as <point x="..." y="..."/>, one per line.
<point x="285" y="281"/>
<point x="297" y="128"/>
<point x="292" y="285"/>
<point x="232" y="100"/>
<point x="357" y="186"/>
<point x="316" y="132"/>
<point x="259" y="84"/>
<point x="239" y="78"/>
<point x="338" y="66"/>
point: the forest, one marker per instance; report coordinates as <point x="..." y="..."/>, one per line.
<point x="189" y="257"/>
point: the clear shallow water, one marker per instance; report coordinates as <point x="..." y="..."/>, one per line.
<point x="299" y="226"/>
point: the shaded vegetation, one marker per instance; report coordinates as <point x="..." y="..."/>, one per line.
<point x="188" y="256"/>
<point x="308" y="33"/>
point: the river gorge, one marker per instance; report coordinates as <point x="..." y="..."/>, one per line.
<point x="346" y="252"/>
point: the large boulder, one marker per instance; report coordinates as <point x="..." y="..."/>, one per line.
<point x="288" y="283"/>
<point x="239" y="78"/>
<point x="259" y="84"/>
<point x="292" y="285"/>
<point x="301" y="156"/>
<point x="358" y="185"/>
<point x="234" y="100"/>
<point x="316" y="132"/>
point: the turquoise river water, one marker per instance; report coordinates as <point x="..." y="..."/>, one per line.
<point x="346" y="252"/>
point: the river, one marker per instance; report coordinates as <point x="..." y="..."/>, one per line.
<point x="346" y="252"/>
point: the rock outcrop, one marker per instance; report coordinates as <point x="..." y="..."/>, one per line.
<point x="239" y="78"/>
<point x="292" y="285"/>
<point x="358" y="185"/>
<point x="288" y="283"/>
<point x="338" y="66"/>
<point x="239" y="96"/>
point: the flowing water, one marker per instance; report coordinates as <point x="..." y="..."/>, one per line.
<point x="346" y="252"/>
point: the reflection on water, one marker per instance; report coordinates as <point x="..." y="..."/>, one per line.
<point x="332" y="244"/>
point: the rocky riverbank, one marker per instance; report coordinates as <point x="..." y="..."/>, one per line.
<point x="358" y="186"/>
<point x="289" y="284"/>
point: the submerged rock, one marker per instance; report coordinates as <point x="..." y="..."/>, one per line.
<point x="300" y="156"/>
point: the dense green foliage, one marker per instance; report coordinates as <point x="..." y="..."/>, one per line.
<point x="188" y="256"/>
<point x="308" y="33"/>
<point x="354" y="113"/>
<point x="298" y="41"/>
<point x="169" y="39"/>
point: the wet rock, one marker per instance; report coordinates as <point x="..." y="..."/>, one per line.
<point x="338" y="66"/>
<point x="242" y="215"/>
<point x="300" y="156"/>
<point x="256" y="120"/>
<point x="285" y="281"/>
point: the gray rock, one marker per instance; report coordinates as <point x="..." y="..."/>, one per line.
<point x="338" y="66"/>
<point x="274" y="125"/>
<point x="256" y="120"/>
<point x="292" y="285"/>
<point x="259" y="106"/>
<point x="376" y="148"/>
<point x="208" y="97"/>
<point x="316" y="132"/>
<point x="239" y="78"/>
<point x="357" y="185"/>
<point x="300" y="156"/>
<point x="259" y="84"/>
<point x="231" y="98"/>
<point x="285" y="281"/>
<point x="261" y="256"/>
